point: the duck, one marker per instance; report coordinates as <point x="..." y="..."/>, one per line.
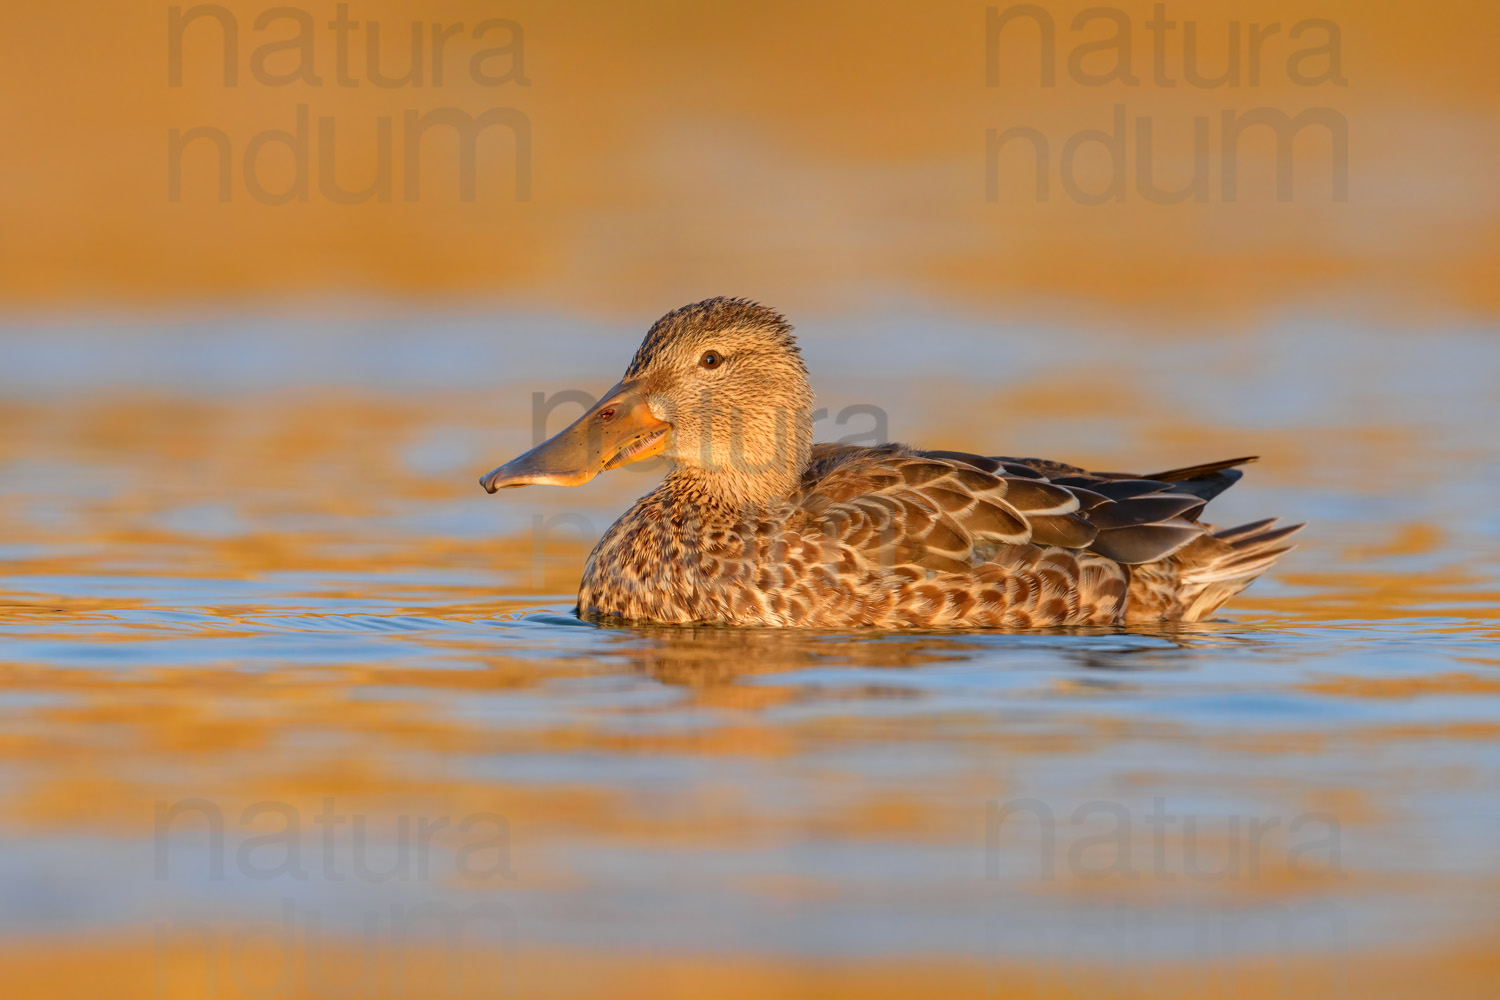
<point x="755" y="524"/>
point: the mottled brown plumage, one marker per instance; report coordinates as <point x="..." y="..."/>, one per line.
<point x="755" y="525"/>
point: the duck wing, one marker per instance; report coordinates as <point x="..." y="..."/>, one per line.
<point x="943" y="509"/>
<point x="1063" y="537"/>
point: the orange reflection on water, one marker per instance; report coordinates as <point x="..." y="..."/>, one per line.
<point x="127" y="968"/>
<point x="285" y="598"/>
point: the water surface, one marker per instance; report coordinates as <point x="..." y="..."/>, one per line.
<point x="248" y="578"/>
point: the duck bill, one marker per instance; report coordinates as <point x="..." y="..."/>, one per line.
<point x="618" y="430"/>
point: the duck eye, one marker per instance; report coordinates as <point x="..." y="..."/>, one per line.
<point x="711" y="359"/>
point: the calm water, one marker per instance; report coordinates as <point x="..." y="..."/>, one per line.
<point x="248" y="578"/>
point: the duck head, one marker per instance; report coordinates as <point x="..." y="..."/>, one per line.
<point x="717" y="387"/>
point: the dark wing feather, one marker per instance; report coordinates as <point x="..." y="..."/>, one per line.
<point x="1151" y="509"/>
<point x="1210" y="486"/>
<point x="1124" y="489"/>
<point x="1145" y="543"/>
<point x="1203" y="471"/>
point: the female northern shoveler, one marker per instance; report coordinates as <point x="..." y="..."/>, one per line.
<point x="756" y="525"/>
